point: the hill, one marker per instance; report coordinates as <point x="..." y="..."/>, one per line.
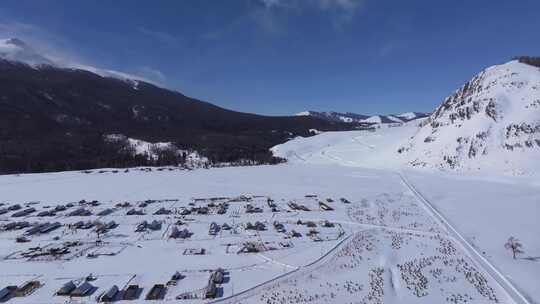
<point x="490" y="123"/>
<point x="59" y="118"/>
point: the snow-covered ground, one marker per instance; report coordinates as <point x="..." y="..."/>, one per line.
<point x="488" y="211"/>
<point x="369" y="149"/>
<point x="489" y="125"/>
<point x="487" y="208"/>
<point x="382" y="247"/>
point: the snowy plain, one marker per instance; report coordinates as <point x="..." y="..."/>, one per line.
<point x="382" y="241"/>
<point x="382" y="229"/>
<point x="487" y="207"/>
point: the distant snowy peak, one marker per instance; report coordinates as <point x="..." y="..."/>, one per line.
<point x="364" y="119"/>
<point x="411" y="115"/>
<point x="373" y="119"/>
<point x="491" y="122"/>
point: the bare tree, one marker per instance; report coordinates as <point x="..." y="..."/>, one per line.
<point x="515" y="245"/>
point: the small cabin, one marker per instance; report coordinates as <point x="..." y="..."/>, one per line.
<point x="66" y="289"/>
<point x="210" y="290"/>
<point x="132" y="292"/>
<point x="27" y="288"/>
<point x="162" y="211"/>
<point x="157" y="292"/>
<point x="110" y="295"/>
<point x="83" y="290"/>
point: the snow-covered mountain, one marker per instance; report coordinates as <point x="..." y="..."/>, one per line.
<point x="17" y="50"/>
<point x="408" y="116"/>
<point x="349" y="117"/>
<point x="491" y="122"/>
<point x="56" y="115"/>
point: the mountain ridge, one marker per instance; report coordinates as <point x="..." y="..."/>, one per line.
<point x="362" y="119"/>
<point x="54" y="118"/>
<point x="491" y="124"/>
<point x="492" y="121"/>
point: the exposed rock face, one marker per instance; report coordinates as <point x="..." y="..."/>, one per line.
<point x="493" y="121"/>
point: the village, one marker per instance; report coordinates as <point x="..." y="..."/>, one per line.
<point x="245" y="248"/>
<point x="85" y="234"/>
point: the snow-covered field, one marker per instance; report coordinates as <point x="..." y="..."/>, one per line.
<point x="380" y="245"/>
<point x="368" y="149"/>
<point x="486" y="208"/>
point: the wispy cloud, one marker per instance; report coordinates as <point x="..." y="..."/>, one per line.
<point x="340" y="12"/>
<point x="155" y="75"/>
<point x="159" y="36"/>
<point x="44" y="42"/>
<point x="268" y="20"/>
<point x="59" y="50"/>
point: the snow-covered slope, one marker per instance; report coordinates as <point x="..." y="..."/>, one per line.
<point x="373" y="119"/>
<point x="491" y="123"/>
<point x="375" y="148"/>
<point x="335" y="116"/>
<point x="152" y="150"/>
<point x="411" y="115"/>
<point x="141" y="147"/>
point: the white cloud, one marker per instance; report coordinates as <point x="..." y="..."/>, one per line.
<point x="57" y="50"/>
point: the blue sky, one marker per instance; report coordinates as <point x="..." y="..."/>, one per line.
<point x="284" y="56"/>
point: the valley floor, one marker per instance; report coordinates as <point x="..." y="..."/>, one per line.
<point x="380" y="245"/>
<point x="486" y="207"/>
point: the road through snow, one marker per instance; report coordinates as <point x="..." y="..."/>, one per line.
<point x="476" y="256"/>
